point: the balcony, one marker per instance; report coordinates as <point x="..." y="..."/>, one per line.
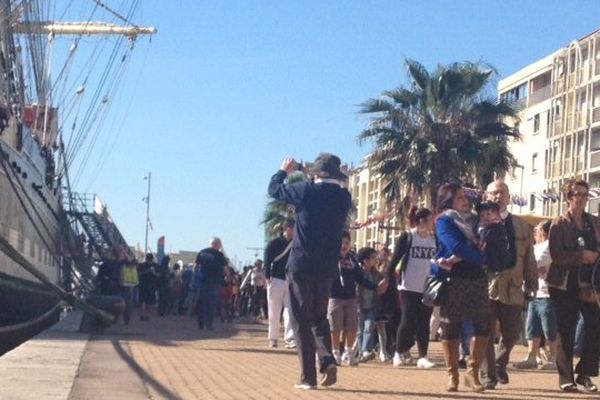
<point x="539" y="95"/>
<point x="595" y="159"/>
<point x="594" y="206"/>
<point x="559" y="85"/>
<point x="596" y="114"/>
<point x="575" y="120"/>
<point x="597" y="67"/>
<point x="555" y="169"/>
<point x="566" y="166"/>
<point x="558" y="128"/>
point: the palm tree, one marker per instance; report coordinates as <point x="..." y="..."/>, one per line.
<point x="444" y="127"/>
<point x="276" y="212"/>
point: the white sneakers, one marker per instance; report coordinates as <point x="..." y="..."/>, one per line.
<point x="350" y="358"/>
<point x="402" y="359"/>
<point x="347" y="358"/>
<point x="337" y="357"/>
<point x="383" y="357"/>
<point x="406" y="359"/>
<point x="424" y="362"/>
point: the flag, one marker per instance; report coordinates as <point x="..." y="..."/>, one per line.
<point x="160" y="249"/>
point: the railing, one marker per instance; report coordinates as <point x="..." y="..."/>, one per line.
<point x="567" y="166"/>
<point x="539" y="95"/>
<point x="555" y="169"/>
<point x="558" y="129"/>
<point x="575" y="120"/>
<point x="595" y="159"/>
<point x="559" y="85"/>
<point x="82" y="202"/>
<point x="594" y="206"/>
<point x="596" y="114"/>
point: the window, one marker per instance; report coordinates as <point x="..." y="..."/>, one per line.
<point x="514" y="94"/>
<point x="532" y="199"/>
<point x="534" y="162"/>
<point x="536" y="124"/>
<point x="595" y="140"/>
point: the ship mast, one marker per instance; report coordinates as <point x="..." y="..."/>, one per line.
<point x="80" y="28"/>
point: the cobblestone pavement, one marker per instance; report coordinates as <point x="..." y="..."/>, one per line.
<point x="169" y="358"/>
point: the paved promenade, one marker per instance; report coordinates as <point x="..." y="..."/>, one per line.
<point x="168" y="358"/>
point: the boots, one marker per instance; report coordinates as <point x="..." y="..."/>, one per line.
<point x="471" y="377"/>
<point x="451" y="355"/>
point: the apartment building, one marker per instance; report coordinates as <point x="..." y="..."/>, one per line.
<point x="559" y="101"/>
<point x="371" y="225"/>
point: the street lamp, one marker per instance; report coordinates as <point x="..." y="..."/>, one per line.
<point x="147" y="201"/>
<point x="521" y="193"/>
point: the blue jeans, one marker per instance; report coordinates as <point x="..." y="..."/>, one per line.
<point x="541" y="318"/>
<point x="209" y="293"/>
<point x="367" y="327"/>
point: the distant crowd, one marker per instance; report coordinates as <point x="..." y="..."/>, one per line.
<point x="174" y="288"/>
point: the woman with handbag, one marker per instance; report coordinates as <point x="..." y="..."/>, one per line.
<point x="411" y="261"/>
<point x="574" y="240"/>
<point x="466" y="284"/>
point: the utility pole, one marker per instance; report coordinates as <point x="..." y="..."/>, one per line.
<point x="147" y="201"/>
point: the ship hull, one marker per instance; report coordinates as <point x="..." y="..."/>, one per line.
<point x="28" y="222"/>
<point x="27" y="309"/>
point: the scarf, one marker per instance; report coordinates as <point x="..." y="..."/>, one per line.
<point x="466" y="222"/>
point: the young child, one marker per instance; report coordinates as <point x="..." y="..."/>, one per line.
<point x="343" y="303"/>
<point x="367" y="301"/>
<point x="493" y="239"/>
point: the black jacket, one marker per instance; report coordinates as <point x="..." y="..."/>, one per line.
<point x="276" y="269"/>
<point x="321" y="212"/>
<point x="211" y="263"/>
<point x="348" y="275"/>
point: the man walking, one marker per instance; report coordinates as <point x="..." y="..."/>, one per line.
<point x="506" y="287"/>
<point x="321" y="210"/>
<point x="278" y="295"/>
<point x="211" y="262"/>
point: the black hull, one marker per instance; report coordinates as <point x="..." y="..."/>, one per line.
<point x="27" y="309"/>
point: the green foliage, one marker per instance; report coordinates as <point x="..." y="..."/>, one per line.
<point x="276" y="212"/>
<point x="441" y="128"/>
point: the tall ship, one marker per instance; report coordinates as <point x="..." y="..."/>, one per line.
<point x="50" y="117"/>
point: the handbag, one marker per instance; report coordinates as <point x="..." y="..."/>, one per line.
<point x="589" y="292"/>
<point x="435" y="291"/>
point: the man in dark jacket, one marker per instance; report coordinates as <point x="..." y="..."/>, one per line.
<point x="278" y="294"/>
<point x="321" y="210"/>
<point x="211" y="261"/>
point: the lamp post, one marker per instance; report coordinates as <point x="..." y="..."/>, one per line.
<point x="147" y="201"/>
<point x="521" y="193"/>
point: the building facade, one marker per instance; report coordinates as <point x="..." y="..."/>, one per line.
<point x="373" y="222"/>
<point x="559" y="102"/>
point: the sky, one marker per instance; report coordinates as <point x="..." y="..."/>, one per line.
<point x="225" y="90"/>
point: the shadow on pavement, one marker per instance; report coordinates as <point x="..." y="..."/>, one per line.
<point x="144" y="376"/>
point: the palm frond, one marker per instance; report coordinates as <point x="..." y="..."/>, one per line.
<point x="417" y="73"/>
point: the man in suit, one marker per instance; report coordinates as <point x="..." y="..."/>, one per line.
<point x="322" y="206"/>
<point x="506" y="288"/>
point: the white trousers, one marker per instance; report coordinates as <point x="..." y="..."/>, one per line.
<point x="278" y="297"/>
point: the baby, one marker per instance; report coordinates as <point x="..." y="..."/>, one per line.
<point x="493" y="239"/>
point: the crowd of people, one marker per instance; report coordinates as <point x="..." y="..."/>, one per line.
<point x="204" y="289"/>
<point x="490" y="268"/>
<point x="345" y="306"/>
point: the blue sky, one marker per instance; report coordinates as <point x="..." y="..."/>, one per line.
<point x="226" y="90"/>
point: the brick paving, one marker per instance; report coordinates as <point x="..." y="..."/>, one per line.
<point x="169" y="358"/>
